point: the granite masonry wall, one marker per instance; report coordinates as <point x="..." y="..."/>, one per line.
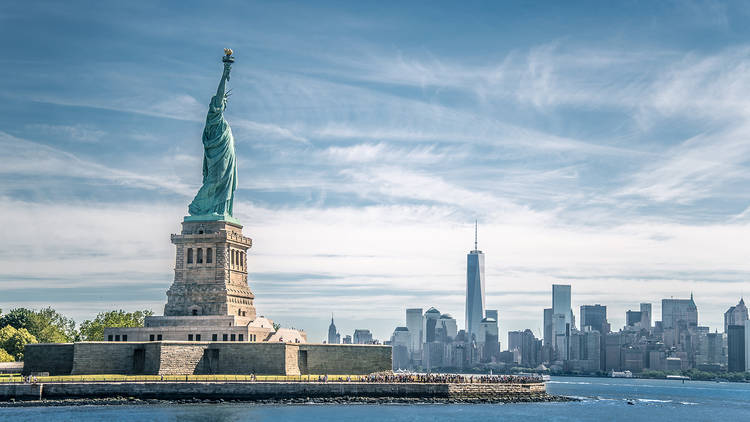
<point x="115" y="358"/>
<point x="229" y="358"/>
<point x="55" y="358"/>
<point x="344" y="359"/>
<point x="182" y="357"/>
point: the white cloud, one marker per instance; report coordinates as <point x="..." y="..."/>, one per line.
<point x="28" y="158"/>
<point x="698" y="168"/>
<point x="268" y="130"/>
<point x="384" y="153"/>
<point x="80" y="133"/>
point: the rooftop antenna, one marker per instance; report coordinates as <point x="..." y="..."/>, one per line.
<point x="475" y="236"/>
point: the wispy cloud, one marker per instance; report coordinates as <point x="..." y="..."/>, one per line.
<point x="27" y="158"/>
<point x="78" y="132"/>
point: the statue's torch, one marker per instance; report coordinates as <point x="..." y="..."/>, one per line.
<point x="228" y="56"/>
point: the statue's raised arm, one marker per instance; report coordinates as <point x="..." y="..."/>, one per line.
<point x="215" y="198"/>
<point x="228" y="60"/>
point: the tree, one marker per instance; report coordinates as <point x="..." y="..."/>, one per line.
<point x="13" y="340"/>
<point x="5" y="356"/>
<point x="93" y="330"/>
<point x="47" y="325"/>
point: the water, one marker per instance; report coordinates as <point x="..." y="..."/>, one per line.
<point x="604" y="399"/>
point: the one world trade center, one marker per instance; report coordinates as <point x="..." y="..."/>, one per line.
<point x="474" y="289"/>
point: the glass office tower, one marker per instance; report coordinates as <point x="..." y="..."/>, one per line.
<point x="474" y="290"/>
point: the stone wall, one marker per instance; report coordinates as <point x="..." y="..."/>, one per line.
<point x="55" y="358"/>
<point x="115" y="358"/>
<point x="229" y="358"/>
<point x="182" y="357"/>
<point x="346" y="359"/>
<point x="270" y="390"/>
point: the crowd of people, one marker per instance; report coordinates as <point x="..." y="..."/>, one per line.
<point x="452" y="378"/>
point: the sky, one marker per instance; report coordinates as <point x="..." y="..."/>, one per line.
<point x="605" y="145"/>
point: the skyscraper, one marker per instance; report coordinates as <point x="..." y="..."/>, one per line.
<point x="679" y="318"/>
<point x="414" y="325"/>
<point x="515" y="340"/>
<point x="333" y="335"/>
<point x="491" y="313"/>
<point x="675" y="310"/>
<point x="488" y="339"/>
<point x="736" y="315"/>
<point x="594" y="316"/>
<point x="646" y="315"/>
<point x="362" y="336"/>
<point x="561" y="301"/>
<point x="736" y="348"/>
<point x="474" y="289"/>
<point x="400" y="347"/>
<point x="548" y="327"/>
<point x="632" y="318"/>
<point x="562" y="319"/>
<point x="430" y="326"/>
<point x="448" y="328"/>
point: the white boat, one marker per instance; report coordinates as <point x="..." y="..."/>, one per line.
<point x="623" y="374"/>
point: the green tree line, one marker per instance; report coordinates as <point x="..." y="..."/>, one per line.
<point x="22" y="326"/>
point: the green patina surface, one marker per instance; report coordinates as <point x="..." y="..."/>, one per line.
<point x="214" y="201"/>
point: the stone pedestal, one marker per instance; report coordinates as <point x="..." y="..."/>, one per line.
<point x="211" y="272"/>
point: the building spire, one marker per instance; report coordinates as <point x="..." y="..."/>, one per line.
<point x="475" y="236"/>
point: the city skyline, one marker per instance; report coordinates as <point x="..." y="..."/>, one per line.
<point x="599" y="146"/>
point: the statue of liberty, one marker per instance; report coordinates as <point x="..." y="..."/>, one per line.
<point x="214" y="200"/>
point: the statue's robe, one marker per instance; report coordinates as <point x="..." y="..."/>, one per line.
<point x="216" y="196"/>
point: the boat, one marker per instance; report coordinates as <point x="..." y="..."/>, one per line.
<point x="622" y="374"/>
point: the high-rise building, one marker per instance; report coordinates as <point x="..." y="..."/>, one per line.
<point x="562" y="320"/>
<point x="488" y="339"/>
<point x="632" y="318"/>
<point x="679" y="318"/>
<point x="561" y="333"/>
<point x="515" y="340"/>
<point x="736" y="315"/>
<point x="414" y="325"/>
<point x="333" y="336"/>
<point x="475" y="282"/>
<point x="711" y="349"/>
<point x="448" y="328"/>
<point x="548" y="327"/>
<point x="347" y="339"/>
<point x="400" y="341"/>
<point x="594" y="316"/>
<point x="362" y="336"/>
<point x="492" y="313"/>
<point x="646" y="315"/>
<point x="528" y="346"/>
<point x="747" y="347"/>
<point x="585" y="351"/>
<point x="736" y="348"/>
<point x="675" y="310"/>
<point x="561" y="302"/>
<point x="430" y="325"/>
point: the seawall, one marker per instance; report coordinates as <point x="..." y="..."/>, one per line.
<point x="271" y="390"/>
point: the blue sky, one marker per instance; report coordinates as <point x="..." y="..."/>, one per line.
<point x="603" y="145"/>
